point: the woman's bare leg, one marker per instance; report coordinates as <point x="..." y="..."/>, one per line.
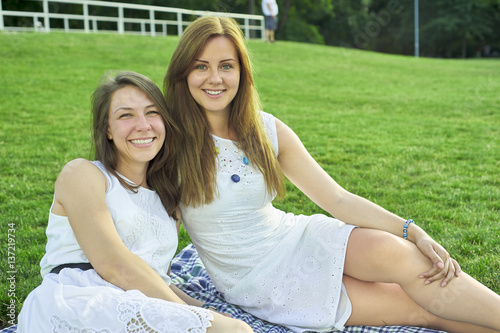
<point x="380" y="304"/>
<point x="376" y="256"/>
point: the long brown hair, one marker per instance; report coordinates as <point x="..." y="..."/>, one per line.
<point x="162" y="172"/>
<point x="196" y="156"/>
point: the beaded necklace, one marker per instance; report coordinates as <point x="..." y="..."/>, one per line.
<point x="235" y="177"/>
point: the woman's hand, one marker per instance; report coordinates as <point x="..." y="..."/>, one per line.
<point x="444" y="267"/>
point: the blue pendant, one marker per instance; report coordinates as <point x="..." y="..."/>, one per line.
<point x="235" y="178"/>
<point x="245" y="160"/>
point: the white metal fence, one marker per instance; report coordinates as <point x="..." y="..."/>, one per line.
<point x="155" y="20"/>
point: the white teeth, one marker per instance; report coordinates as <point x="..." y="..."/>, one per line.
<point x="214" y="92"/>
<point x="141" y="142"/>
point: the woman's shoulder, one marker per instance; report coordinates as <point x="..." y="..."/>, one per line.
<point x="79" y="165"/>
<point x="79" y="180"/>
<point x="81" y="170"/>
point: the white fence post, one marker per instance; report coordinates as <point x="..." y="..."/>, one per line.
<point x="86" y="17"/>
<point x="1" y="16"/>
<point x="121" y="25"/>
<point x="46" y="17"/>
<point x="152" y="22"/>
<point x="247" y="29"/>
<point x="179" y="24"/>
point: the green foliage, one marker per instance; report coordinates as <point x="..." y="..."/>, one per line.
<point x="458" y="29"/>
<point x="299" y="31"/>
<point x="338" y="30"/>
<point x="299" y="21"/>
<point x="417" y="136"/>
<point x="448" y="28"/>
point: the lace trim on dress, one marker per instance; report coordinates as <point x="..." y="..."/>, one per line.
<point x="157" y="316"/>
<point x="61" y="326"/>
<point x="161" y="236"/>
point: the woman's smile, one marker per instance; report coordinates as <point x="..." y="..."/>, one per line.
<point x="214" y="93"/>
<point x="142" y="142"/>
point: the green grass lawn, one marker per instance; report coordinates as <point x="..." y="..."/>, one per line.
<point x="420" y="137"/>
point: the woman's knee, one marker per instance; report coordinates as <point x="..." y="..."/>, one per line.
<point x="371" y="245"/>
<point x="374" y="251"/>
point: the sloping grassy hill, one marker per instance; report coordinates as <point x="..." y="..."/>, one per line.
<point x="418" y="136"/>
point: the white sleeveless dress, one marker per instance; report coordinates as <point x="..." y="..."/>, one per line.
<point x="80" y="301"/>
<point x="283" y="268"/>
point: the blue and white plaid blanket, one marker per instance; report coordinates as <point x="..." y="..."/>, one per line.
<point x="189" y="274"/>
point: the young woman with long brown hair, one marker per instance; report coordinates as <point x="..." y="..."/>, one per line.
<point x="309" y="273"/>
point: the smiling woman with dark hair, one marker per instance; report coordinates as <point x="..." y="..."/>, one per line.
<point x="112" y="230"/>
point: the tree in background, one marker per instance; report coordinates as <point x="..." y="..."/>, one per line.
<point x="343" y="28"/>
<point x="448" y="28"/>
<point x="301" y="20"/>
<point x="459" y="28"/>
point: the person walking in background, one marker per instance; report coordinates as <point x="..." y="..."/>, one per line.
<point x="366" y="266"/>
<point x="270" y="11"/>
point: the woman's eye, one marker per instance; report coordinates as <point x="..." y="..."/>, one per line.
<point x="124" y="115"/>
<point x="201" y="67"/>
<point x="153" y="113"/>
<point x="226" y="67"/>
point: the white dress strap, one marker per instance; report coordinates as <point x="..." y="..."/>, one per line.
<point x="270" y="127"/>
<point x="106" y="174"/>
